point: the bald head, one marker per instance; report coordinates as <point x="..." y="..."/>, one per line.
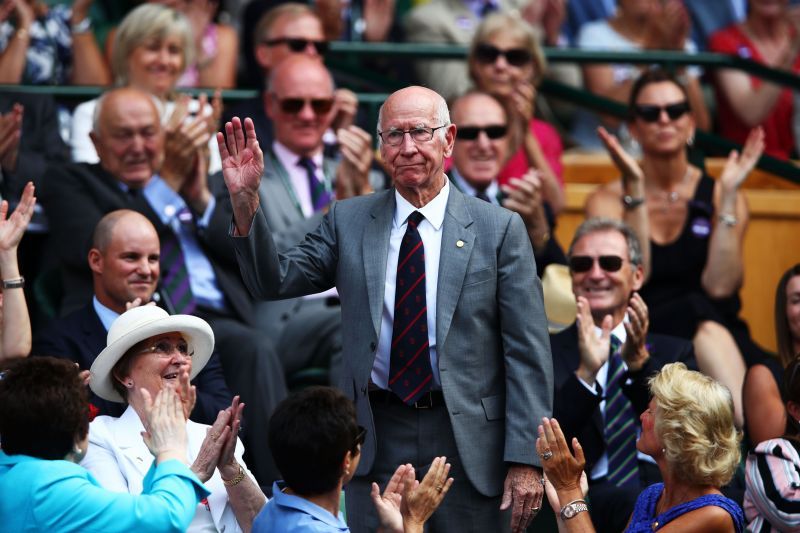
<point x="423" y="98"/>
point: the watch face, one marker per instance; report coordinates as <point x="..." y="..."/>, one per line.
<point x="569" y="512"/>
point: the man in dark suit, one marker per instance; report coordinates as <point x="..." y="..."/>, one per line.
<point x="444" y="333"/>
<point x="601" y="364"/>
<point x="125" y="269"/>
<point x="199" y="274"/>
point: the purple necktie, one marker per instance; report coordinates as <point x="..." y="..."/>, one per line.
<point x="174" y="275"/>
<point x="320" y="195"/>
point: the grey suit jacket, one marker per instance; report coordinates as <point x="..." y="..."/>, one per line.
<point x="491" y="332"/>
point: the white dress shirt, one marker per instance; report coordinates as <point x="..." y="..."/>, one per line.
<point x="298" y="176"/>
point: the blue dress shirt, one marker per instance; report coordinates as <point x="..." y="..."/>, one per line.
<point x="288" y="513"/>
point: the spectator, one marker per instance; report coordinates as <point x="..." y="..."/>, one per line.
<point x="153" y="46"/>
<point x="505" y="60"/>
<point x="763" y="399"/>
<point x="15" y="323"/>
<point x="637" y="25"/>
<point x="124" y="260"/>
<point x="768" y="35"/>
<point x="481" y="148"/>
<point x="49" y="45"/>
<point x="772" y="472"/>
<point x="317" y="447"/>
<point x="200" y="274"/>
<point x="691" y="230"/>
<point x="149" y="351"/>
<point x="602" y="362"/>
<point x="689" y="415"/>
<point x="44" y="422"/>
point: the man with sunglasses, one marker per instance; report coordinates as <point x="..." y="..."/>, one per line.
<point x="601" y="365"/>
<point x="480" y="151"/>
<point x="444" y="334"/>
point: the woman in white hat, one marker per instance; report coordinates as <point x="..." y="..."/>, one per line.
<point x="148" y="349"/>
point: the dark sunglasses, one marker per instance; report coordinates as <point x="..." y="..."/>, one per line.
<point x="486" y="53"/>
<point x="583" y="263"/>
<point x="470" y="133"/>
<point x="651" y="113"/>
<point x="293" y="106"/>
<point x="298" y="45"/>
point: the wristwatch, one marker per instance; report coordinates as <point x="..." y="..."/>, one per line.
<point x="630" y="202"/>
<point x="84" y="26"/>
<point x="573" y="508"/>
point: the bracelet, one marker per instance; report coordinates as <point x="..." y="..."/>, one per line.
<point x="22" y="33"/>
<point x="84" y="26"/>
<point x="629" y="202"/>
<point x="728" y="219"/>
<point x="235" y="480"/>
<point x="14" y="283"/>
<point x="572" y="509"/>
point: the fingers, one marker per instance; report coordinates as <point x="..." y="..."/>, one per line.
<point x="578" y="449"/>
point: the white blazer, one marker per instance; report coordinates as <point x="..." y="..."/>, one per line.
<point x="119" y="459"/>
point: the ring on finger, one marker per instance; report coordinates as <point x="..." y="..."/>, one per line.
<point x="547" y="455"/>
<point x="440" y="488"/>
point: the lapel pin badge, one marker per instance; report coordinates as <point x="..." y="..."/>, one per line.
<point x="460" y="243"/>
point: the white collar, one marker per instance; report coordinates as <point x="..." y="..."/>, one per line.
<point x="433" y="211"/>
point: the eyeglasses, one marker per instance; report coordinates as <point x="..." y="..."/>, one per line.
<point x="421" y="135"/>
<point x="583" y="263"/>
<point x="292" y="106"/>
<point x="470" y="133"/>
<point x="361" y="436"/>
<point x="298" y="45"/>
<point x="165" y="348"/>
<point x="488" y="54"/>
<point x="651" y="113"/>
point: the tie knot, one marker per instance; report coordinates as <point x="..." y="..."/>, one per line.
<point x="415" y="218"/>
<point x="615" y="344"/>
<point x="307" y="164"/>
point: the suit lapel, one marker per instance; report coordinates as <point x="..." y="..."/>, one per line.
<point x="127" y="435"/>
<point x="453" y="261"/>
<point x="375" y="251"/>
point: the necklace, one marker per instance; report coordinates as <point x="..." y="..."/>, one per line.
<point x="673" y="196"/>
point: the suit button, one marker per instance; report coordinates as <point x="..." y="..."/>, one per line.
<point x="372" y="346"/>
<point x="364" y="391"/>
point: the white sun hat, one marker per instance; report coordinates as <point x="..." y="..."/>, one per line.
<point x="140" y="323"/>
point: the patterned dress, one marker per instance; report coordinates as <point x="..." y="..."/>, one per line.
<point x="49" y="55"/>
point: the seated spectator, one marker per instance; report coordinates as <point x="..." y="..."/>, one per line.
<point x="601" y="364"/>
<point x="768" y="35"/>
<point x="45" y="423"/>
<point x="149" y="351"/>
<point x="456" y="21"/>
<point x="15" y="323"/>
<point x="689" y="415"/>
<point x="124" y="261"/>
<point x="772" y="473"/>
<point x="637" y="25"/>
<point x="317" y="446"/>
<point x="763" y="399"/>
<point x="481" y="147"/>
<point x="153" y="46"/>
<point x="691" y="228"/>
<point x="215" y="48"/>
<point x="200" y="273"/>
<point x="49" y="45"/>
<point x="505" y="60"/>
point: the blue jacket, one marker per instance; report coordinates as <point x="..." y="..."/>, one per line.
<point x="41" y="495"/>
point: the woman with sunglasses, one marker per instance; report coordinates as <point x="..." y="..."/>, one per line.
<point x="506" y="61"/>
<point x="770" y="35"/>
<point x="636" y="25"/>
<point x="316" y="444"/>
<point x="690" y="227"/>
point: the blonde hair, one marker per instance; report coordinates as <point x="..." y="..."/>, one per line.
<point x="694" y="419"/>
<point x="291" y="10"/>
<point x="146" y="22"/>
<point x="516" y="27"/>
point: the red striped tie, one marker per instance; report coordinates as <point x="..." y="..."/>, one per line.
<point x="410" y="374"/>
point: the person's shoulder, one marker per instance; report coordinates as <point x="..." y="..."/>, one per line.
<point x="590" y="31"/>
<point x="710" y="518"/>
<point x="726" y="40"/>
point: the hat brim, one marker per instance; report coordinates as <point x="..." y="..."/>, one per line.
<point x="196" y="331"/>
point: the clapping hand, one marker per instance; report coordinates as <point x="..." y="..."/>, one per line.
<point x="627" y="165"/>
<point x="738" y="167"/>
<point x="13" y="228"/>
<point x="352" y="177"/>
<point x="10" y="135"/>
<point x="594" y="350"/>
<point x="165" y="426"/>
<point x="634" y="351"/>
<point x="561" y="468"/>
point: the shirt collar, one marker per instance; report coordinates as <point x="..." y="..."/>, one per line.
<point x="433" y="211"/>
<point x="491" y="191"/>
<point x="106" y="315"/>
<point x="289" y="159"/>
<point x="301" y="504"/>
<point x="618" y="331"/>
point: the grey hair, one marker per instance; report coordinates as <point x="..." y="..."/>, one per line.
<point x="597" y="224"/>
<point x="101" y="101"/>
<point x="441" y="116"/>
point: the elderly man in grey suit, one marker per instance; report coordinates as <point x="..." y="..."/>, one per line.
<point x="445" y="340"/>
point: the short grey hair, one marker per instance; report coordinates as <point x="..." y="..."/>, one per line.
<point x="598" y="224"/>
<point x="441" y="116"/>
<point x="143" y="23"/>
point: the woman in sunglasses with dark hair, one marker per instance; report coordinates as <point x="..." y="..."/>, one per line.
<point x="506" y="61"/>
<point x="691" y="229"/>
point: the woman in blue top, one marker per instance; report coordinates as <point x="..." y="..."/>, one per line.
<point x="688" y="429"/>
<point x="44" y="426"/>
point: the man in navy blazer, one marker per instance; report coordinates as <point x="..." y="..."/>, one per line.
<point x="606" y="267"/>
<point x="125" y="268"/>
<point x="481" y="354"/>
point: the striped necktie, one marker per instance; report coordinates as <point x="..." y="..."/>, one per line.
<point x="320" y="195"/>
<point x="410" y="373"/>
<point x="620" y="424"/>
<point x="174" y="274"/>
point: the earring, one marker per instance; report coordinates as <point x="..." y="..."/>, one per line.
<point x="690" y="141"/>
<point x="129" y="383"/>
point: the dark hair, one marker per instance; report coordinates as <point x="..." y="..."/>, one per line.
<point x="309" y="434"/>
<point x="45" y="407"/>
<point x="782" y="333"/>
<point x="653" y="75"/>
